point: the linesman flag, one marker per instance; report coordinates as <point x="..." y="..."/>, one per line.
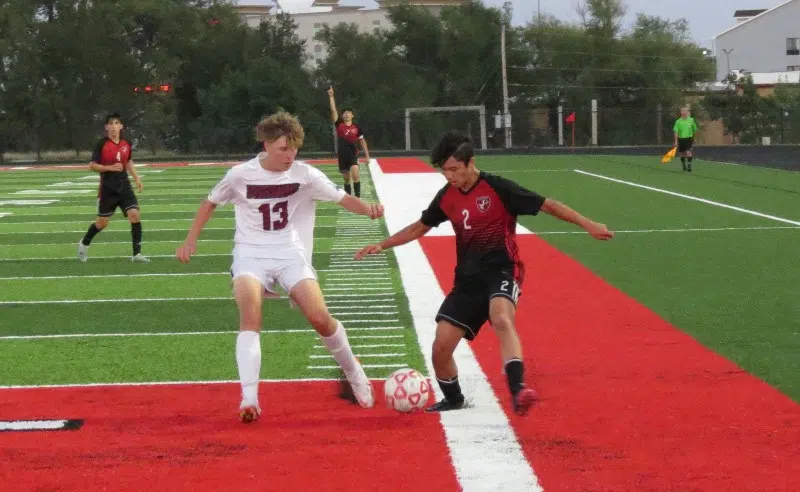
<point x="669" y="155"/>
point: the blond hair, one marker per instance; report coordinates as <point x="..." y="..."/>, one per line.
<point x="281" y="124"/>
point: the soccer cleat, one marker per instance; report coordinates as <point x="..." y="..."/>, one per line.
<point x="249" y="413"/>
<point x="83" y="252"/>
<point x="140" y="258"/>
<point x="362" y="387"/>
<point x="524" y="400"/>
<point x="446" y="405"/>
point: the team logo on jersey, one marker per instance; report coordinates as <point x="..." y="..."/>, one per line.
<point x="483" y="203"/>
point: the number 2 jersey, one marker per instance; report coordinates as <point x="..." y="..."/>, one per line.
<point x="275" y="211"/>
<point x="485" y="220"/>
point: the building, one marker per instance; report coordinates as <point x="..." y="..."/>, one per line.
<point x="321" y="13"/>
<point x="761" y="41"/>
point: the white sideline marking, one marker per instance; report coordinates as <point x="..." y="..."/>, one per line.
<point x="484" y="449"/>
<point x="689" y="229"/>
<point x="690" y="197"/>
<point x="32" y="425"/>
<point x="374" y="356"/>
<point x="27" y="202"/>
<point x="181" y="333"/>
<point x="4" y="214"/>
<point x="376" y="345"/>
<point x="365" y="366"/>
<point x="59" y="277"/>
<point x="165" y="383"/>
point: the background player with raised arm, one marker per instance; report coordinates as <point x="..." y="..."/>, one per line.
<point x="483" y="210"/>
<point x="348" y="134"/>
<point x="112" y="158"/>
<point x="274" y="200"/>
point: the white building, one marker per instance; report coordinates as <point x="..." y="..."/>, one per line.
<point x="761" y="41"/>
<point x="323" y="13"/>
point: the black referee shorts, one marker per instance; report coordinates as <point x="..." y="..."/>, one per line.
<point x="685" y="144"/>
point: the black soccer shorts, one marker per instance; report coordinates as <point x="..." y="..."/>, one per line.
<point x="467" y="305"/>
<point x="685" y="144"/>
<point x="109" y="200"/>
<point x="347" y="159"/>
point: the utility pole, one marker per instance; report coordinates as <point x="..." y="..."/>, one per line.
<point x="506" y="115"/>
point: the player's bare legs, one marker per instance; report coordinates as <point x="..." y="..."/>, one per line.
<point x="308" y="297"/>
<point x="136" y="235"/>
<point x="347" y="186"/>
<point x="448" y="336"/>
<point x="501" y="314"/>
<point x="99" y="224"/>
<point x="356" y="180"/>
<point x="247" y="291"/>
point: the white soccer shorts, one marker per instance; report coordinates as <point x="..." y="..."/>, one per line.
<point x="285" y="272"/>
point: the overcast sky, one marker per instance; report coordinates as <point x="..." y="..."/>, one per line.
<point x="707" y="18"/>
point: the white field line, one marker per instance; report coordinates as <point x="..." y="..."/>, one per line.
<point x="691" y="197"/>
<point x="165" y="383"/>
<point x="181" y="333"/>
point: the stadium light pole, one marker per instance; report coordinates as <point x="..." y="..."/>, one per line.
<point x="506" y="117"/>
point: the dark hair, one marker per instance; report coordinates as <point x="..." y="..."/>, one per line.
<point x="452" y="144"/>
<point x="113" y="116"/>
<point x="348" y="109"/>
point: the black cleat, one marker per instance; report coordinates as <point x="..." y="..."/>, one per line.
<point x="447" y="405"/>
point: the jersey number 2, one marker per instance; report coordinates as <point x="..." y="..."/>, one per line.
<point x="280" y="208"/>
<point x="465" y="213"/>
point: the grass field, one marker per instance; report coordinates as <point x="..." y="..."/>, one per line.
<point x="728" y="278"/>
<point x="714" y="253"/>
<point x="165" y="321"/>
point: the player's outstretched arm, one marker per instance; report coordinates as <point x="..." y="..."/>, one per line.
<point x="332" y="102"/>
<point x="360" y="207"/>
<point x="408" y="234"/>
<point x="202" y="217"/>
<point x="563" y="212"/>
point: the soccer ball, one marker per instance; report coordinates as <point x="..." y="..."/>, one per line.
<point x="407" y="390"/>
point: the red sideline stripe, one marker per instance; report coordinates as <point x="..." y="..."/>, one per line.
<point x="188" y="438"/>
<point x="404" y="165"/>
<point x="628" y="401"/>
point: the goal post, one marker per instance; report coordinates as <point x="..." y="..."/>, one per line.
<point x="441" y="109"/>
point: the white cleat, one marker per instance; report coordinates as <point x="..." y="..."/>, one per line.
<point x="362" y="387"/>
<point x="83" y="252"/>
<point x="140" y="258"/>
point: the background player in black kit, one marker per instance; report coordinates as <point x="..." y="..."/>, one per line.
<point x="349" y="134"/>
<point x="112" y="159"/>
<point x="483" y="209"/>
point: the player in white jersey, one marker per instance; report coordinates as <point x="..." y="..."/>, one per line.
<point x="274" y="199"/>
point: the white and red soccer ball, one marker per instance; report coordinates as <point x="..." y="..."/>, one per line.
<point x="407" y="390"/>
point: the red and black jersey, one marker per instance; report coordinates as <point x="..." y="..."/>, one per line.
<point x="348" y="136"/>
<point x="106" y="152"/>
<point x="484" y="219"/>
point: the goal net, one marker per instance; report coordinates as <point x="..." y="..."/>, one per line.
<point x="425" y="125"/>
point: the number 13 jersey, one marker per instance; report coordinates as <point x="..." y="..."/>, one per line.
<point x="274" y="211"/>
